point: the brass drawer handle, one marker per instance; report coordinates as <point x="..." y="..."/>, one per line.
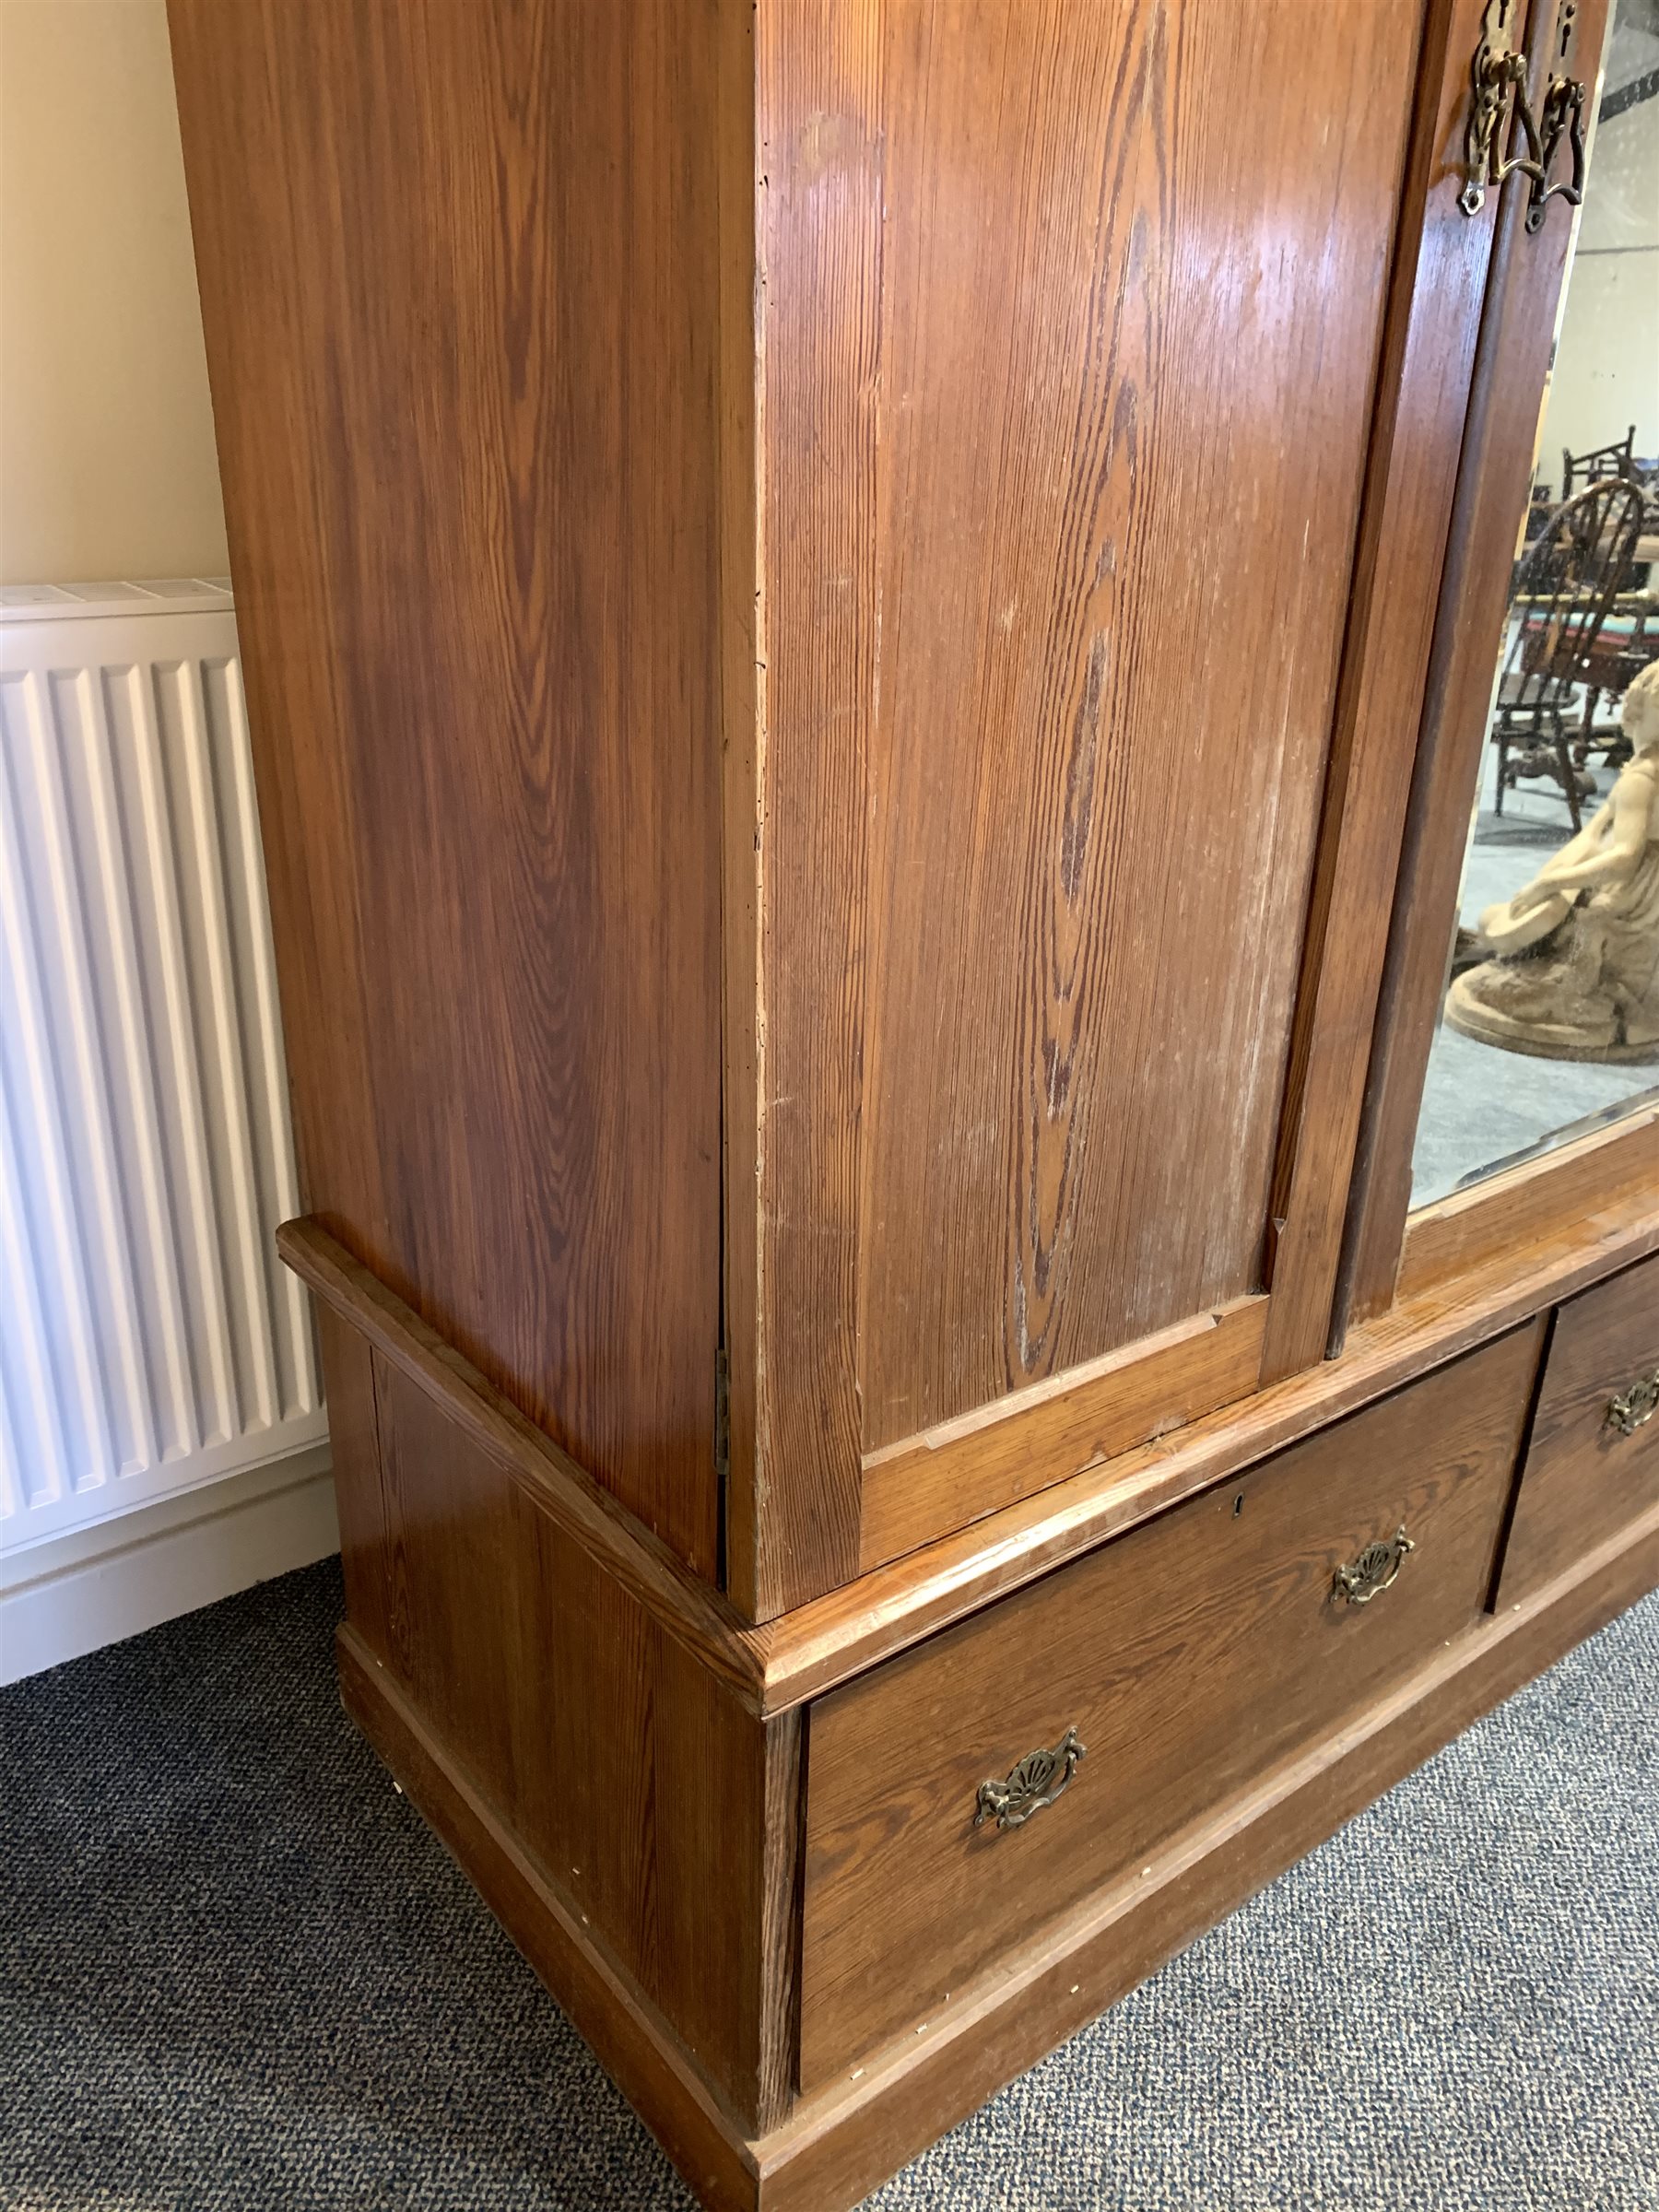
<point x="1376" y="1569"/>
<point x="1632" y="1408"/>
<point x="1037" y="1781"/>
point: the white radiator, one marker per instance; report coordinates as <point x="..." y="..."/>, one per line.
<point x="150" y="1341"/>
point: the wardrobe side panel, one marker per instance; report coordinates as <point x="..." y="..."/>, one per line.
<point x="459" y="273"/>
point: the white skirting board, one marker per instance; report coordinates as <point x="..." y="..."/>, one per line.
<point x="162" y="1434"/>
<point x="75" y="1594"/>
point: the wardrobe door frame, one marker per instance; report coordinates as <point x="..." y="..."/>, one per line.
<point x="1391" y="1252"/>
<point x="799" y="1521"/>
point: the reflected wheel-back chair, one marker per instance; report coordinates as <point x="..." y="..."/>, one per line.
<point x="1564" y="589"/>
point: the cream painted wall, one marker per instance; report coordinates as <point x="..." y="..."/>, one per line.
<point x="107" y="463"/>
<point x="1606" y="369"/>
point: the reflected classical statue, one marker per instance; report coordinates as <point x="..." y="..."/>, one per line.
<point x="1573" y="972"/>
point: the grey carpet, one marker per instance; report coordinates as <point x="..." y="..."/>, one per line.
<point x="240" y="1976"/>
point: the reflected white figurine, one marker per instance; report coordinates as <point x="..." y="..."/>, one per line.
<point x="1575" y="969"/>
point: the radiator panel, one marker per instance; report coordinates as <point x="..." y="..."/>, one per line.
<point x="149" y="1339"/>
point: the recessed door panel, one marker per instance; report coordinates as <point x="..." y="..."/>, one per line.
<point x="1073" y="349"/>
<point x="1129" y="330"/>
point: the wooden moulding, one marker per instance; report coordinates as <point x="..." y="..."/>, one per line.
<point x="638" y="2047"/>
<point x="969" y="1467"/>
<point x="692" y="1611"/>
<point x="1546" y="1196"/>
<point x="1428" y="361"/>
<point x="742" y="707"/>
<point x="798" y="1657"/>
<point x="830" y="1641"/>
<point x="1517" y="337"/>
<point x="837" y="2145"/>
<point x="667" y="1814"/>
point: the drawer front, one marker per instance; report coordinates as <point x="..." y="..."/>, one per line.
<point x="1593" y="1463"/>
<point x="1185" y="1659"/>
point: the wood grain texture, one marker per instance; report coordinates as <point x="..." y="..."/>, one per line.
<point x="967" y="1468"/>
<point x="773" y="1669"/>
<point x="1189" y="1656"/>
<point x="839" y="2145"/>
<point x="1052" y="596"/>
<point x="459" y="273"/>
<point x="1114" y="556"/>
<point x="1512" y="363"/>
<point x="892" y="1608"/>
<point x="620" y="1763"/>
<point x="604" y="2004"/>
<point x="1585" y="1479"/>
<point x="678" y="1601"/>
<point x="1437" y="289"/>
<point x="819" y="243"/>
<point x="354" y="1445"/>
<point x="778" y="1957"/>
<point x="741" y="677"/>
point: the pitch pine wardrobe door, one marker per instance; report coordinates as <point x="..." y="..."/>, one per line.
<point x="1069" y="334"/>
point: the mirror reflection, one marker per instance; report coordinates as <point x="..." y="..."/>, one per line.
<point x="1550" y="1021"/>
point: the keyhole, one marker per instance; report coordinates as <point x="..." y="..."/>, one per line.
<point x="1568" y="13"/>
<point x="1237" y="1505"/>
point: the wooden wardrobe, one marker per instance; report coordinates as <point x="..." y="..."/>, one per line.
<point x="864" y="623"/>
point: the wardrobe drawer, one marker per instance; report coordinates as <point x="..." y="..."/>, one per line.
<point x="1593" y="1459"/>
<point x="1184" y="1658"/>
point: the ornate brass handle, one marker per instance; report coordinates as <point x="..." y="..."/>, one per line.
<point x="1562" y="115"/>
<point x="1037" y="1781"/>
<point x="1499" y="110"/>
<point x="1632" y="1408"/>
<point x="1497" y="93"/>
<point x="1376" y="1569"/>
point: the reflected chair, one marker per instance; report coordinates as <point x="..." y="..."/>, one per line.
<point x="1628" y="643"/>
<point x="1619" y="459"/>
<point x="1565" y="587"/>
